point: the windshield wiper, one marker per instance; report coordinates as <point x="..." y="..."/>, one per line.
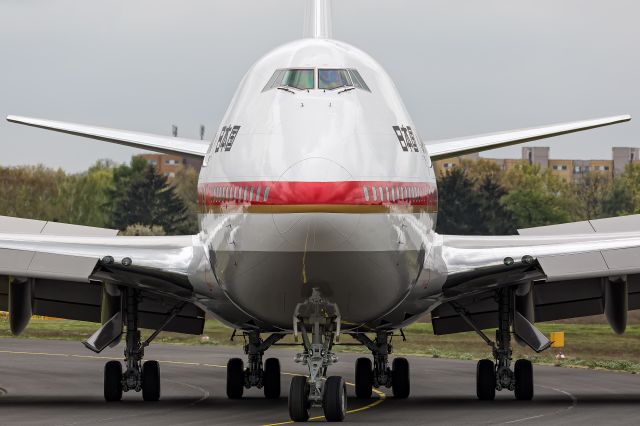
<point x="346" y="90"/>
<point x="286" y="89"/>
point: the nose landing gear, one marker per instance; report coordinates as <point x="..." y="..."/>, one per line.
<point x="319" y="323"/>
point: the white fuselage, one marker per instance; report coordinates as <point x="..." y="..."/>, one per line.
<point x="319" y="188"/>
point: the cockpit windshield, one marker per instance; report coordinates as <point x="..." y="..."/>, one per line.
<point x="329" y="79"/>
<point x="302" y="79"/>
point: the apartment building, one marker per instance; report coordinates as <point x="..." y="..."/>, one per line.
<point x="168" y="164"/>
<point x="568" y="170"/>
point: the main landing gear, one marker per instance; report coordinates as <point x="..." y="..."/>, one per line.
<point x="319" y="323"/>
<point x="496" y="376"/>
<point x="137" y="376"/>
<point x="378" y="373"/>
<point x="256" y="374"/>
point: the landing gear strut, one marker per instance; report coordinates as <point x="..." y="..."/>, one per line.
<point x="137" y="376"/>
<point x="266" y="377"/>
<point x="319" y="323"/>
<point x="380" y="374"/>
<point x="492" y="377"/>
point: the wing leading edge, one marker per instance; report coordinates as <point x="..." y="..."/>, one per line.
<point x="439" y="150"/>
<point x="169" y="145"/>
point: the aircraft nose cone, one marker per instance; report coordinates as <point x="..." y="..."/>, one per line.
<point x="306" y="221"/>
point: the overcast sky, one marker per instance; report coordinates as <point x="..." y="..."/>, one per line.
<point x="462" y="67"/>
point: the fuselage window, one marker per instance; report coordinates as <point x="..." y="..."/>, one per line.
<point x="387" y="191"/>
<point x="358" y="81"/>
<point x="302" y="79"/>
<point x="333" y="79"/>
<point x="258" y="192"/>
<point x="375" y="193"/>
<point x="366" y="193"/>
<point x="251" y="193"/>
<point x="235" y="192"/>
<point x="381" y="193"/>
<point x="266" y="193"/>
<point x="393" y="194"/>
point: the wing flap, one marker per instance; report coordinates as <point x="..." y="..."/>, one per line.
<point x="169" y="145"/>
<point x="439" y="150"/>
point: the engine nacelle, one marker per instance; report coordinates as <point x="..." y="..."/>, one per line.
<point x="20" y="303"/>
<point x="616" y="303"/>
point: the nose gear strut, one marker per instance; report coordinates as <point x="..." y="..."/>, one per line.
<point x="317" y="320"/>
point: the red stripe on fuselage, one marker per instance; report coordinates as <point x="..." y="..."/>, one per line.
<point x="356" y="193"/>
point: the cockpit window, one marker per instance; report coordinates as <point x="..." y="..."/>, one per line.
<point x="302" y="79"/>
<point x="358" y="82"/>
<point x="329" y="79"/>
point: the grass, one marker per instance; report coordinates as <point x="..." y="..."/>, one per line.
<point x="588" y="345"/>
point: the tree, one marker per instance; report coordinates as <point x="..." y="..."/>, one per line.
<point x="185" y="183"/>
<point x="590" y="193"/>
<point x="536" y="197"/>
<point x="498" y="220"/>
<point x="459" y="206"/>
<point x="148" y="200"/>
<point x="138" y="230"/>
<point x="624" y="195"/>
<point x="85" y="198"/>
<point x="471" y="206"/>
<point x="31" y="192"/>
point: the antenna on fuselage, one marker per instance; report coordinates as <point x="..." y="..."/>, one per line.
<point x="317" y="23"/>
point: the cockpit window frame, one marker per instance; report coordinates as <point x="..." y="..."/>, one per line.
<point x="357" y="79"/>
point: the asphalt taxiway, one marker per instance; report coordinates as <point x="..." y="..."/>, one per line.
<point x="56" y="382"/>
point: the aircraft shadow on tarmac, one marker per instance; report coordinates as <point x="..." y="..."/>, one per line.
<point x="413" y="403"/>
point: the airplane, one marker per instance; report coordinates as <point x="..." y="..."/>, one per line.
<point x="318" y="205"/>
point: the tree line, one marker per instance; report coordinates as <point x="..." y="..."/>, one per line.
<point x="479" y="198"/>
<point x="476" y="198"/>
<point x="132" y="197"/>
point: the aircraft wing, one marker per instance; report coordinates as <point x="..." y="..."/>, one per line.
<point x="169" y="145"/>
<point x="68" y="265"/>
<point x="568" y="266"/>
<point x="439" y="150"/>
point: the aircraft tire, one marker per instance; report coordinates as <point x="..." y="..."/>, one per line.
<point x="401" y="385"/>
<point x="523" y="376"/>
<point x="486" y="380"/>
<point x="113" y="381"/>
<point x="299" y="399"/>
<point x="235" y="378"/>
<point x="364" y="378"/>
<point x="271" y="378"/>
<point x="334" y="400"/>
<point x="151" y="381"/>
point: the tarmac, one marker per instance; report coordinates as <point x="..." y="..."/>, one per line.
<point x="60" y="383"/>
